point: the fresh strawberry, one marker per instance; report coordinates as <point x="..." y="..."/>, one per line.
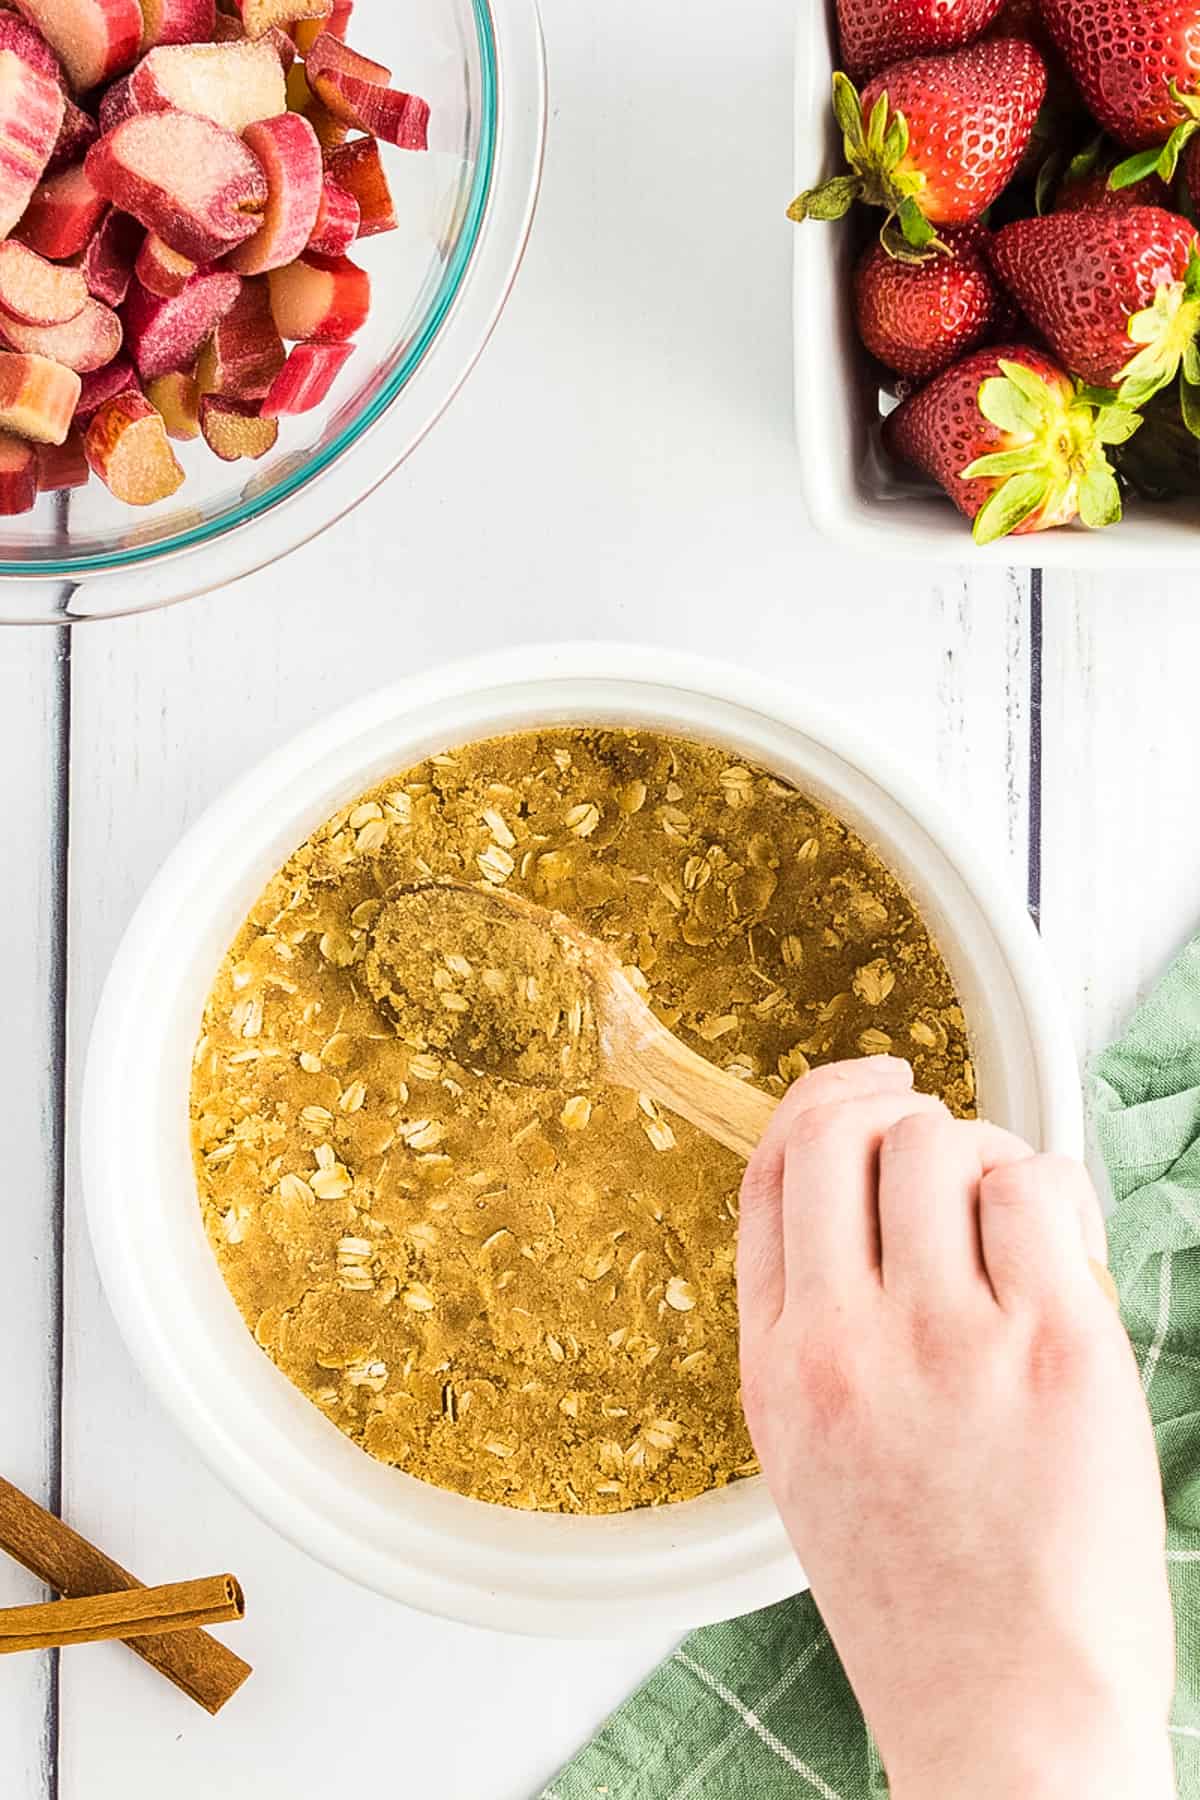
<point x="1115" y="293"/>
<point x="1137" y="64"/>
<point x="1014" y="442"/>
<point x="918" y="318"/>
<point x="1078" y="193"/>
<point x="933" y="141"/>
<point x="874" y="33"/>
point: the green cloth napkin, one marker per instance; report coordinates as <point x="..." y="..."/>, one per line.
<point x="758" y="1708"/>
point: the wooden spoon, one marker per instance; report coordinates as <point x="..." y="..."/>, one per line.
<point x="634" y="1048"/>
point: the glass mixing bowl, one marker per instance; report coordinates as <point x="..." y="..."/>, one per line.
<point x="439" y="284"/>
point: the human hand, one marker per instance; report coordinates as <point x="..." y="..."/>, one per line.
<point x="950" y="1418"/>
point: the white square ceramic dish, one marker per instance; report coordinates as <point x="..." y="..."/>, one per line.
<point x="852" y="495"/>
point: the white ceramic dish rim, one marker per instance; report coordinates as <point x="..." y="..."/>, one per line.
<point x="181" y="574"/>
<point x="723" y="1554"/>
<point x="849" y="500"/>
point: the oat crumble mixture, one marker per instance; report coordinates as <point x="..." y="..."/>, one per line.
<point x="525" y="1293"/>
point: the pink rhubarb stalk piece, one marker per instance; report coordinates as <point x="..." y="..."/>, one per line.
<point x="18" y="476"/>
<point x="37" y="292"/>
<point x="177" y="398"/>
<point x="165" y="335"/>
<point x="109" y="258"/>
<point x="356" y="90"/>
<point x="32" y="108"/>
<point x="126" y="445"/>
<point x="231" y="31"/>
<point x="102" y="385"/>
<point x="358" y="168"/>
<point x="289" y="155"/>
<point x="320" y="299"/>
<point x="245" y="352"/>
<point x="63" y="214"/>
<point x="259" y="16"/>
<point x="161" y="270"/>
<point x="305" y="379"/>
<point x="86" y="342"/>
<point x="177" y="22"/>
<point x="232" y="84"/>
<point x="235" y="428"/>
<point x="338" y="219"/>
<point x="184" y="177"/>
<point x="78" y="133"/>
<point x="27" y="42"/>
<point x="37" y="397"/>
<point x="61" y="466"/>
<point x="93" y="39"/>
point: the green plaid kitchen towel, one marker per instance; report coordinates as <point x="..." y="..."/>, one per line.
<point x="758" y="1708"/>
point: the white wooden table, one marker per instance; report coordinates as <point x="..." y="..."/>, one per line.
<point x="621" y="465"/>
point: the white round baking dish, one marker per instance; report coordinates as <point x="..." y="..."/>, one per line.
<point x="679" y="1565"/>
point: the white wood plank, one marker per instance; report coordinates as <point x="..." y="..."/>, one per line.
<point x="31" y="693"/>
<point x="620" y="466"/>
<point x="1121" y="791"/>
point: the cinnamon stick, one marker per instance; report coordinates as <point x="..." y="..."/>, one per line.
<point x="131" y="1613"/>
<point x="199" y="1665"/>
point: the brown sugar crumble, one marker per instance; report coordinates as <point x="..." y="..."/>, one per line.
<point x="512" y="1280"/>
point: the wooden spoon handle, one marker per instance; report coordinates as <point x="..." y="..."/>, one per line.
<point x="656" y="1063"/>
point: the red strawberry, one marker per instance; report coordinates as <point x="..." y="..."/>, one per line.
<point x="874" y="33"/>
<point x="1115" y="293"/>
<point x="934" y="141"/>
<point x="1013" y="442"/>
<point x="1137" y="63"/>
<point x="1076" y="193"/>
<point x="920" y="317"/>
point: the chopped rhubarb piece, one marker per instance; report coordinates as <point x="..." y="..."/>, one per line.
<point x="18" y="476"/>
<point x="337" y="223"/>
<point x="245" y="352"/>
<point x="38" y="292"/>
<point x="186" y="178"/>
<point x="164" y="335"/>
<point x="64" y="465"/>
<point x="232" y="84"/>
<point x="37" y="398"/>
<point x="109" y="258"/>
<point x="32" y="108"/>
<point x="102" y="385"/>
<point x="161" y="270"/>
<point x="86" y="342"/>
<point x="290" y="157"/>
<point x="177" y="398"/>
<point x="78" y="133"/>
<point x="305" y="379"/>
<point x="62" y="215"/>
<point x="320" y="299"/>
<point x="235" y="428"/>
<point x="94" y="39"/>
<point x="127" y="447"/>
<point x="358" y="168"/>
<point x="177" y="22"/>
<point x="231" y="31"/>
<point x="259" y="15"/>
<point x="307" y="31"/>
<point x="355" y="90"/>
<point x="116" y="105"/>
<point x="330" y="131"/>
<point x="27" y="42"/>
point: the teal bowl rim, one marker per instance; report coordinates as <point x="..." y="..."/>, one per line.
<point x="447" y="292"/>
